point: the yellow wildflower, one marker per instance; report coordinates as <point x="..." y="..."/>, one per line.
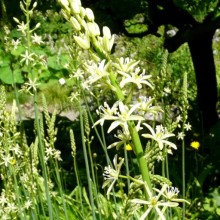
<point x="13" y="162"/>
<point x="128" y="147"/>
<point x="195" y="145"/>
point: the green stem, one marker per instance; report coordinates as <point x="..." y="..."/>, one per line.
<point x="135" y="139"/>
<point x="140" y="156"/>
<point x="127" y="165"/>
<point x="18" y="193"/>
<point x="41" y="146"/>
<point x="131" y="178"/>
<point x="78" y="184"/>
<point x="102" y="137"/>
<point x="87" y="163"/>
<point x="42" y="156"/>
<point x="60" y="188"/>
<point x="117" y="88"/>
<point x="183" y="178"/>
<point x="93" y="177"/>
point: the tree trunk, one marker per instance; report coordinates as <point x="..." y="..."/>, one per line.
<point x="203" y="61"/>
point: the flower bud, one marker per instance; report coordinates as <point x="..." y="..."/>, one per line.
<point x="89" y="14"/>
<point x="75" y="7"/>
<point x="35" y="5"/>
<point x="107" y="44"/>
<point x="82" y="22"/>
<point x="108" y="40"/>
<point x="37" y="25"/>
<point x="22" y="7"/>
<point x="95" y="57"/>
<point x="83" y="41"/>
<point x="75" y="24"/>
<point x="65" y="14"/>
<point x="16" y="20"/>
<point x="82" y="12"/>
<point x="64" y="3"/>
<point x="77" y="2"/>
<point x="93" y="29"/>
<point x="106" y="32"/>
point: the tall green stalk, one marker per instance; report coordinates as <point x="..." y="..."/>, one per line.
<point x="88" y="140"/>
<point x="138" y="149"/>
<point x="183" y="178"/>
<point x="140" y="156"/>
<point x="42" y="156"/>
<point x="86" y="163"/>
<point x="127" y="165"/>
<point x="40" y="141"/>
<point x="73" y="147"/>
<point x="185" y="115"/>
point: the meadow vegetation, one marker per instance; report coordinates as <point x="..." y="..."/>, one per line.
<point x="131" y="146"/>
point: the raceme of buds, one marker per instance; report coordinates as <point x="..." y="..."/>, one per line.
<point x="22" y="7"/>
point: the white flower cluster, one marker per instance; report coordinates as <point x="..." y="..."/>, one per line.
<point x="82" y="20"/>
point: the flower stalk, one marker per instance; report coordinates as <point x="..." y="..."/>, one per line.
<point x="138" y="149"/>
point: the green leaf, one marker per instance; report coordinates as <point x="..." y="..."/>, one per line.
<point x="7" y="77"/>
<point x="18" y="51"/>
<point x="4" y="60"/>
<point x="18" y="76"/>
<point x="58" y="62"/>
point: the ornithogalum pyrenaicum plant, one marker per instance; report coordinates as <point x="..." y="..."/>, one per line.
<point x="123" y="84"/>
<point x="115" y="113"/>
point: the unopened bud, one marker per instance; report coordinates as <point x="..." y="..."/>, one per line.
<point x="89" y="14"/>
<point x="22" y="6"/>
<point x="108" y="40"/>
<point x="75" y="7"/>
<point x="37" y="25"/>
<point x="16" y="20"/>
<point x="65" y="14"/>
<point x="77" y="1"/>
<point x="93" y="29"/>
<point x="64" y="3"/>
<point x="65" y="6"/>
<point x="106" y="32"/>
<point x="35" y="5"/>
<point x="82" y="12"/>
<point x="95" y="57"/>
<point x="83" y="42"/>
<point x="75" y="24"/>
<point x="82" y="22"/>
<point x="108" y="43"/>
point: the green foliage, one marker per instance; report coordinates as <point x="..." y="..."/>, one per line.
<point x="199" y="9"/>
<point x="91" y="83"/>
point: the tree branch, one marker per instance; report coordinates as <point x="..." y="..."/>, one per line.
<point x="187" y="35"/>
